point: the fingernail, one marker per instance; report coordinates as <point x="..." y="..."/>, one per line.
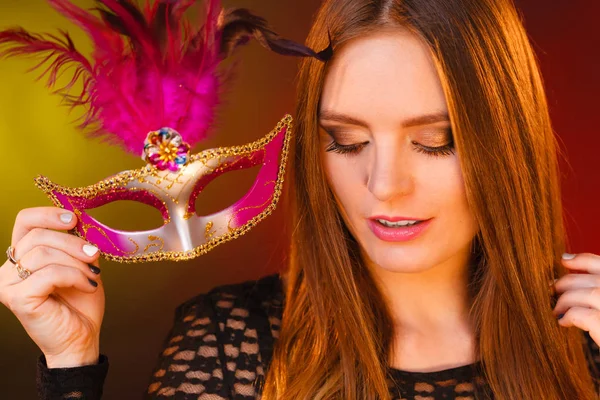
<point x="568" y="256"/>
<point x="94" y="269"/>
<point x="93" y="283"/>
<point x="66" y="217"/>
<point x="89" y="249"/>
<point x="559" y="316"/>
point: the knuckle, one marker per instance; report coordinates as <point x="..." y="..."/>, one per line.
<point x="21" y="216"/>
<point x="42" y="253"/>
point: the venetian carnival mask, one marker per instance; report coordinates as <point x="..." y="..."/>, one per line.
<point x="152" y="87"/>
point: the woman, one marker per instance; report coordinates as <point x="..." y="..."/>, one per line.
<point x="431" y="113"/>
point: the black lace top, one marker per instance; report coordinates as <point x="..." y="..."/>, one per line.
<point x="221" y="344"/>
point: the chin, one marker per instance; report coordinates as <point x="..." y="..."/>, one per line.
<point x="397" y="260"/>
<point x="407" y="268"/>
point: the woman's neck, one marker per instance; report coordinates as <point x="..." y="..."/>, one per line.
<point x="430" y="312"/>
<point x="427" y="301"/>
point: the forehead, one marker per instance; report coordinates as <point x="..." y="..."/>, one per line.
<point x="388" y="73"/>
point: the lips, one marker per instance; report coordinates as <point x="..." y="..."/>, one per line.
<point x="398" y="234"/>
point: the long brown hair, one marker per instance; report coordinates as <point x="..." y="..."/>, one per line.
<point x="337" y="333"/>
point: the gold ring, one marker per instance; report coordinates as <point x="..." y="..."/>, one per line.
<point x="23" y="272"/>
<point x="10" y="253"/>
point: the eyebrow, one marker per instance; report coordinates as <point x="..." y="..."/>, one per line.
<point x="418" y="120"/>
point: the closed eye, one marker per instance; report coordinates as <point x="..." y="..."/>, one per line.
<point x="445" y="150"/>
<point x="335" y="147"/>
<point x="352" y="149"/>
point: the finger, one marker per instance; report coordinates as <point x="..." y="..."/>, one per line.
<point x="583" y="262"/>
<point x="42" y="256"/>
<point x="589" y="297"/>
<point x="587" y="319"/>
<point x="27" y="295"/>
<point x="70" y="244"/>
<point x="576" y="281"/>
<point x="41" y="217"/>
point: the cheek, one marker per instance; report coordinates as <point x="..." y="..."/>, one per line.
<point x="344" y="179"/>
<point x="448" y="185"/>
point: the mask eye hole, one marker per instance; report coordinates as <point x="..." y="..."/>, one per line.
<point x="127" y="215"/>
<point x="226" y="189"/>
<point x="124" y="209"/>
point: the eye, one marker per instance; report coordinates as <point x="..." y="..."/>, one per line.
<point x="335" y="147"/>
<point x="445" y="150"/>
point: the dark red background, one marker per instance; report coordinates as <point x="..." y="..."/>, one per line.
<point x="141" y="299"/>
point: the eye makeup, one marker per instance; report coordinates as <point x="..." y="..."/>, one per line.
<point x="350" y="149"/>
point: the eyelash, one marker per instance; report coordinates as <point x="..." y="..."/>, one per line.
<point x="440" y="151"/>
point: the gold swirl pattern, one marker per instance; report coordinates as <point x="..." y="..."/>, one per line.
<point x="152" y="238"/>
<point x="207" y="233"/>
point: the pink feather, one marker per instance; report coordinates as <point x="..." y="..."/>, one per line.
<point x="133" y="84"/>
<point x="61" y="49"/>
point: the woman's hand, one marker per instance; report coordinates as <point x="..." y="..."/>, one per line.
<point x="579" y="301"/>
<point x="61" y="304"/>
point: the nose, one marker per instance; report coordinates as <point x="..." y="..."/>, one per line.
<point x="390" y="175"/>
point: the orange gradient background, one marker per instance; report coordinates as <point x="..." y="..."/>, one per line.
<point x="39" y="137"/>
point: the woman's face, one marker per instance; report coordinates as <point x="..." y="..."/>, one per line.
<point x="388" y="154"/>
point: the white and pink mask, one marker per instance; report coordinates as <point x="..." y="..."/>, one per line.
<point x="152" y="86"/>
<point x="185" y="234"/>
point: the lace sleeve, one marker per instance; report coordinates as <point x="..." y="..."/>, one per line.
<point x="191" y="361"/>
<point x="220" y="344"/>
<point x="85" y="382"/>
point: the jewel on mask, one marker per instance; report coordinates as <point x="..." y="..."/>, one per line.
<point x="165" y="149"/>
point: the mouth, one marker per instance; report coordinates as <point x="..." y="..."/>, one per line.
<point x="403" y="229"/>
